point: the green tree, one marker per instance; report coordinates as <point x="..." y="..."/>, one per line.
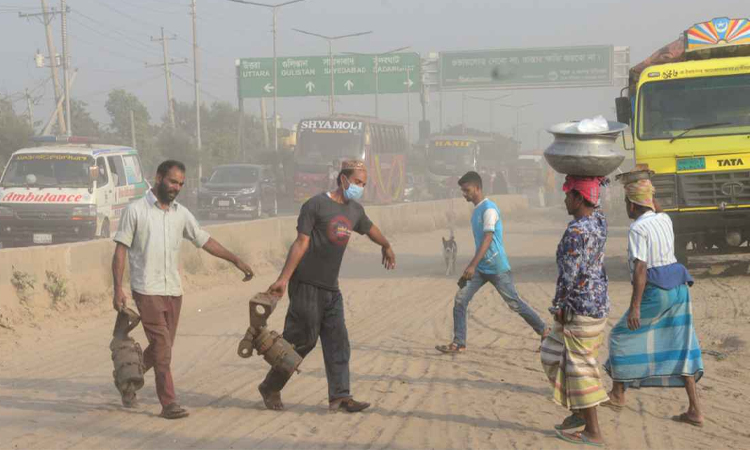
<point x="83" y="123"/>
<point x="15" y="131"/>
<point x="119" y="104"/>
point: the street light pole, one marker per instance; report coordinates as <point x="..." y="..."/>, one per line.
<point x="518" y="109"/>
<point x="331" y="98"/>
<point x="408" y="105"/>
<point x="491" y="102"/>
<point x="274" y="9"/>
<point x="330" y="39"/>
<point x="377" y="71"/>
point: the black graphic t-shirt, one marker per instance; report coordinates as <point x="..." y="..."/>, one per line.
<point x="329" y="225"/>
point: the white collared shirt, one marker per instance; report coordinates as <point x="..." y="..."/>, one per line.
<point x="651" y="240"/>
<point x="153" y="237"/>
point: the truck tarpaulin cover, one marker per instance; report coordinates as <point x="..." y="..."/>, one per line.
<point x="672" y="52"/>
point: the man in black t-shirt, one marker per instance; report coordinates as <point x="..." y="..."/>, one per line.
<point x="316" y="307"/>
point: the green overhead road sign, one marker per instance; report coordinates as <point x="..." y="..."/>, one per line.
<point x="309" y="75"/>
<point x="527" y="68"/>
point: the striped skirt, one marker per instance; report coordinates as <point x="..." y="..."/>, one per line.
<point x="664" y="349"/>
<point x="569" y="356"/>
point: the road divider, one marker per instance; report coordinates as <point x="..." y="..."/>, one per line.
<point x="38" y="281"/>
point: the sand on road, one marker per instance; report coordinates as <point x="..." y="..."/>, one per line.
<point x="56" y="386"/>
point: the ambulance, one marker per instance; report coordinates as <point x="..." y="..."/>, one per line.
<point x="67" y="190"/>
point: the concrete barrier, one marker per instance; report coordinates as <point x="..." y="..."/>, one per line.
<point x="37" y="280"/>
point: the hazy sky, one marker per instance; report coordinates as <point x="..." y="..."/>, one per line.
<point x="110" y="41"/>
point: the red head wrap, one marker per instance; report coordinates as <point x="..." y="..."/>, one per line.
<point x="588" y="187"/>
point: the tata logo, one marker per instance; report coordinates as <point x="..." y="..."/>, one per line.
<point x="732" y="189"/>
<point x="732" y="162"/>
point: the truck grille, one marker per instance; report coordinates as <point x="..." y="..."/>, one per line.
<point x="666" y="190"/>
<point x="713" y="189"/>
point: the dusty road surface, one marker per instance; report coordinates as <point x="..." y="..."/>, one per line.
<point x="56" y="386"/>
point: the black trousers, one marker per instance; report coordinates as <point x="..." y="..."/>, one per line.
<point x="315" y="312"/>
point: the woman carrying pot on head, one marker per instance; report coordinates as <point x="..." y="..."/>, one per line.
<point x="580" y="309"/>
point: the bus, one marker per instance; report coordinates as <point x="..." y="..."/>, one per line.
<point x="451" y="156"/>
<point x="324" y="142"/>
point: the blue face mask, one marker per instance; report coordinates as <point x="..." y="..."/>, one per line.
<point x="353" y="192"/>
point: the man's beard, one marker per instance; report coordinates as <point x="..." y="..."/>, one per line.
<point x="163" y="194"/>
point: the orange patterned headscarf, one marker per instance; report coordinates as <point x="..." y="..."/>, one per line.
<point x="641" y="192"/>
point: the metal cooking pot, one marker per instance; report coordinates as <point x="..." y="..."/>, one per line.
<point x="579" y="153"/>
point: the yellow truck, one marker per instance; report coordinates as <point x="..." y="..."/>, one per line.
<point x="689" y="110"/>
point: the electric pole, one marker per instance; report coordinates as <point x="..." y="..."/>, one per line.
<point x="47" y="15"/>
<point x="197" y="84"/>
<point x="66" y="65"/>
<point x="30" y="110"/>
<point x="167" y="72"/>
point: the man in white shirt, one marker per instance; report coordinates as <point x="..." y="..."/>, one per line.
<point x="150" y="233"/>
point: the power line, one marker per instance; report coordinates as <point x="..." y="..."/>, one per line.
<point x="193" y="84"/>
<point x="157" y="11"/>
<point x="122" y="86"/>
<point x="107" y="50"/>
<point x="126" y="36"/>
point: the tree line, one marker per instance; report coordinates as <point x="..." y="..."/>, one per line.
<point x="155" y="141"/>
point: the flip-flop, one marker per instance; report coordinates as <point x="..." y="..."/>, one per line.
<point x="578" y="438"/>
<point x="451" y="348"/>
<point x="684" y="418"/>
<point x="570" y="422"/>
<point x="612" y="406"/>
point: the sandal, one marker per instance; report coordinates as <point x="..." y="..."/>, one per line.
<point x="451" y="348"/>
<point x="174" y="411"/>
<point x="570" y="422"/>
<point x="578" y="438"/>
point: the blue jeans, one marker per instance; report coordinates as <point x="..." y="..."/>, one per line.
<point x="503" y="282"/>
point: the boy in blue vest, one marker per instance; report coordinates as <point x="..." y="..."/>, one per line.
<point x="490" y="264"/>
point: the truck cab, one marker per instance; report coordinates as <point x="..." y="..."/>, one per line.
<point x="689" y="110"/>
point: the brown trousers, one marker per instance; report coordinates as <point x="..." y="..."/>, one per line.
<point x="159" y="316"/>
